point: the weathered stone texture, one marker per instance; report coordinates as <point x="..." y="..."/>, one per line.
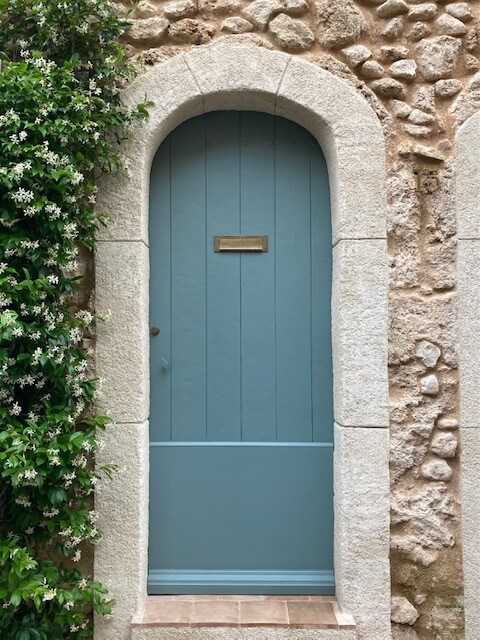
<point x="291" y="34"/>
<point x="417" y="65"/>
<point x="339" y="23"/>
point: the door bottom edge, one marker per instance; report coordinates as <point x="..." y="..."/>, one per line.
<point x="241" y="582"/>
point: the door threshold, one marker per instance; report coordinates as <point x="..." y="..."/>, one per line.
<point x="241" y="612"/>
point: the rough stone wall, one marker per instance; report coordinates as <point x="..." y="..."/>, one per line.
<point x="416" y="63"/>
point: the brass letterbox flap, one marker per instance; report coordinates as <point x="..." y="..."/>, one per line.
<point x="240" y="243"/>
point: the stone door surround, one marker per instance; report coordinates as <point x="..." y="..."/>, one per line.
<point x="245" y="77"/>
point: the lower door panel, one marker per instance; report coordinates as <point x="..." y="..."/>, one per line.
<point x="241" y="518"/>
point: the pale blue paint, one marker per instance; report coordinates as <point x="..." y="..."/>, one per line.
<point x="241" y="381"/>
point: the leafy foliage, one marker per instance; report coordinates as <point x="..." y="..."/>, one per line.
<point x="61" y="122"/>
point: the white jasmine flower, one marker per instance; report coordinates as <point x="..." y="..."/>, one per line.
<point x="16" y="409"/>
<point x="49" y="595"/>
<point x="23" y="501"/>
<point x="22" y="196"/>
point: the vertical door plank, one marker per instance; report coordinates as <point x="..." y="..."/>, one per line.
<point x="188" y="357"/>
<point x="159" y="241"/>
<point x="293" y="272"/>
<point x="223" y="277"/>
<point x="322" y="378"/>
<point x="258" y="278"/>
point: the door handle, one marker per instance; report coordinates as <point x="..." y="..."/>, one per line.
<point x="165" y="364"/>
<point x="154" y="331"/>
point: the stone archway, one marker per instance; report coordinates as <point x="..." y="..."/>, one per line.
<point x="231" y="76"/>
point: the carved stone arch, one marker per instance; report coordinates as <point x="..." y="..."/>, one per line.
<point x="244" y="77"/>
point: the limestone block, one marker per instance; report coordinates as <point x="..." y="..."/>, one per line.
<point x="356" y="54"/>
<point x="418" y="31"/>
<point x="460" y="10"/>
<point x="339" y="24"/>
<point x="424" y="98"/>
<point x="437" y="57"/>
<point x="292" y="35"/>
<point x="428" y="352"/>
<point x="394" y="28"/>
<point x="470" y="461"/>
<point x="295" y="7"/>
<point x="404" y="70"/>
<point x="372" y="70"/>
<point x="420" y="117"/>
<point x="444" y="445"/>
<point x="236" y="25"/>
<point x="122" y="353"/>
<point x="147" y="31"/>
<point x="407" y="448"/>
<point x="424" y="11"/>
<point x="467" y="104"/>
<point x="449" y="26"/>
<point x="447" y="423"/>
<point x="447" y="88"/>
<point x="471" y="62"/>
<point x="418" y="130"/>
<point x="389" y="88"/>
<point x="122" y="505"/>
<point x="145" y="9"/>
<point x="469" y="320"/>
<point x="392" y="8"/>
<point x="189" y="31"/>
<point x="400" y="109"/>
<point x="181" y="9"/>
<point x="360" y="349"/>
<point x="361" y="489"/>
<point x="391" y="53"/>
<point x="260" y="12"/>
<point x="429" y="385"/>
<point x="437" y="470"/>
<point x="403" y="611"/>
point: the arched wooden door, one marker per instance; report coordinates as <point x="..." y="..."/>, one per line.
<point x="241" y="417"/>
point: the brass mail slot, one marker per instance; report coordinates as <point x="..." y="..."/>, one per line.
<point x="240" y="243"/>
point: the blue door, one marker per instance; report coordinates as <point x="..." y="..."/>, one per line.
<point x="241" y="420"/>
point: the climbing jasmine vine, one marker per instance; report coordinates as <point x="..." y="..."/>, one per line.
<point x="61" y="125"/>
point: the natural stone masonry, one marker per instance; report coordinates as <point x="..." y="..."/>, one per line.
<point x="417" y="65"/>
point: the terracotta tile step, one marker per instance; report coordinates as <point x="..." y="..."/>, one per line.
<point x="295" y="612"/>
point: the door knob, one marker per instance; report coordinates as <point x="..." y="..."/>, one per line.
<point x="154" y="331"/>
<point x="164" y="363"/>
